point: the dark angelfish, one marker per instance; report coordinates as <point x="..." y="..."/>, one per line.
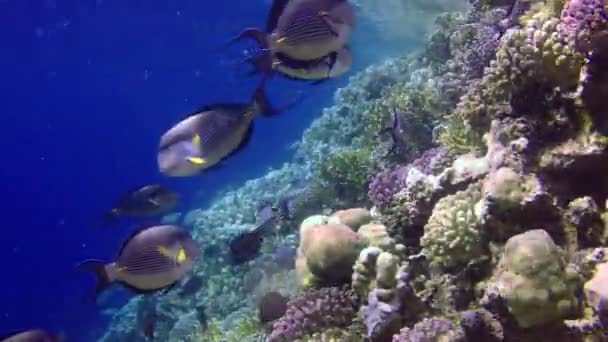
<point x="152" y="259"/>
<point x="148" y="200"/>
<point x="395" y="131"/>
<point x="246" y="246"/>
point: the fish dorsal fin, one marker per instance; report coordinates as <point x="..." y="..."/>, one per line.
<point x="225" y="107"/>
<point x="278" y="6"/>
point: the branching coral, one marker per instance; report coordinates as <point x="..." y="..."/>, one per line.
<point x="344" y="175"/>
<point x="529" y="62"/>
<point x="452" y="236"/>
<point x="314" y="311"/>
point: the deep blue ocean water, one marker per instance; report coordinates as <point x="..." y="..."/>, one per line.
<point x="87" y="87"/>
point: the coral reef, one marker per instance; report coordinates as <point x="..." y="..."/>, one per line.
<point x="487" y="220"/>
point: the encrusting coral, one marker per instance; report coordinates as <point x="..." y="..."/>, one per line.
<point x="534" y="280"/>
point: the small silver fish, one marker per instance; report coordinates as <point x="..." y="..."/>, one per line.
<point x="151" y="259"/>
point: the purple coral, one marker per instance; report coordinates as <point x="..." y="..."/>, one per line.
<point x="480" y="48"/>
<point x="314" y="310"/>
<point x="385" y="185"/>
<point x="429" y="329"/>
<point x="381" y="317"/>
<point x="580" y="20"/>
<point x="481" y="325"/>
<point x="390" y="181"/>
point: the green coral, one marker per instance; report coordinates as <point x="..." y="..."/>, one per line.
<point x="420" y="106"/>
<point x="344" y="175"/>
<point x="247" y="329"/>
<point x="459" y="137"/>
<point x="452" y="236"/>
<point x="534" y="280"/>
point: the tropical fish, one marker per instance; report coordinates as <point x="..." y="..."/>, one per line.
<point x="303" y="30"/>
<point x="148" y="200"/>
<point x="396" y="132"/>
<point x="246" y="246"/>
<point x="191" y="286"/>
<point x="151" y="259"/>
<point x="35" y="335"/>
<point x="147" y="316"/>
<point x="212" y="134"/>
<point x="272" y="306"/>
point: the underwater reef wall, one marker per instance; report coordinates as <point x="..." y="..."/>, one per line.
<point x="455" y="194"/>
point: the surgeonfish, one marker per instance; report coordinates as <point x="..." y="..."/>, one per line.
<point x="311" y="29"/>
<point x="148" y="200"/>
<point x="151" y="259"/>
<point x="302" y="30"/>
<point x="212" y="134"/>
<point x="34" y="335"/>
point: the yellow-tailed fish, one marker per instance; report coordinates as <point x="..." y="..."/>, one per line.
<point x="207" y="137"/>
<point x="151" y="259"/>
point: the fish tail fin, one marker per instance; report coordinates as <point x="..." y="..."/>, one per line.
<point x="109" y="218"/>
<point x="263" y="61"/>
<point x="99" y="269"/>
<point x="261" y="102"/>
<point x="263" y="105"/>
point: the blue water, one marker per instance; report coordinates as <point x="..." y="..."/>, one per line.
<point x="87" y="87"/>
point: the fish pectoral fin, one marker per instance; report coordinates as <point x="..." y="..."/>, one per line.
<point x="181" y="256"/>
<point x="196" y="139"/>
<point x="153" y="201"/>
<point x="164" y="251"/>
<point x="196" y="160"/>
